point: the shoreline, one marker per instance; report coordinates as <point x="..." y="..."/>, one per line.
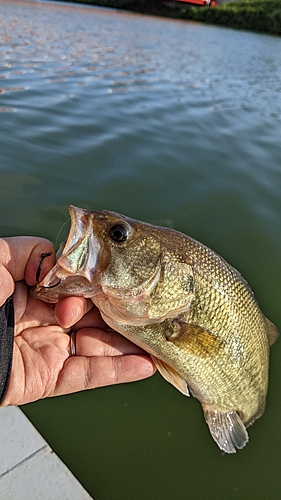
<point x="261" y="16"/>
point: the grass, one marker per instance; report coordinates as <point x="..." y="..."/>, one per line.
<point x="255" y="15"/>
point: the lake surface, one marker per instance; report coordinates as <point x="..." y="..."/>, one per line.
<point x="171" y="122"/>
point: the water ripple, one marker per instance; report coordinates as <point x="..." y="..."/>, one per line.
<point x="171" y="122"/>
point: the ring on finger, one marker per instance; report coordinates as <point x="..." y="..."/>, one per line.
<point x="73" y="344"/>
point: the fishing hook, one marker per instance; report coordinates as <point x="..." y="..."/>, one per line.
<point x="52" y="286"/>
<point x="43" y="257"/>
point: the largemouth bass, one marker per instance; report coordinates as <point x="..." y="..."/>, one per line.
<point x="182" y="303"/>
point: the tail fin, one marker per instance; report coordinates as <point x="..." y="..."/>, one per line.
<point x="272" y="332"/>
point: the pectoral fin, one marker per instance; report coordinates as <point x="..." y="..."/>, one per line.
<point x="227" y="429"/>
<point x="171" y="376"/>
<point x="195" y="339"/>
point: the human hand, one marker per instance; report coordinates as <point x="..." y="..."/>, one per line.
<point x="42" y="362"/>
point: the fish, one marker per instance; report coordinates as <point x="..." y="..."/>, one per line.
<point x="182" y="303"/>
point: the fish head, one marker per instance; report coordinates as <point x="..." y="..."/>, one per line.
<point x="132" y="271"/>
<point x="104" y="250"/>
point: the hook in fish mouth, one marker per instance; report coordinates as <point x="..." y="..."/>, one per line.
<point x="43" y="257"/>
<point x="52" y="286"/>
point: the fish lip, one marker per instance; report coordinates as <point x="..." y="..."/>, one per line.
<point x="80" y="253"/>
<point x="82" y="249"/>
<point x="77" y="228"/>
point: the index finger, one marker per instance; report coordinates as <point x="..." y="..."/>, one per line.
<point x="21" y="255"/>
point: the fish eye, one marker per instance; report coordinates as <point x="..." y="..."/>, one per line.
<point x="118" y="233"/>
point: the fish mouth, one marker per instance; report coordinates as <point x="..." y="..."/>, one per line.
<point x="81" y="251"/>
<point x="76" y="266"/>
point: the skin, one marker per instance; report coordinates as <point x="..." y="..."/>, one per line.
<point x="42" y="365"/>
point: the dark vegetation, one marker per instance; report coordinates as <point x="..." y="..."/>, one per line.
<point x="255" y="15"/>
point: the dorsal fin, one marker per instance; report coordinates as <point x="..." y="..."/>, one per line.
<point x="272" y="332"/>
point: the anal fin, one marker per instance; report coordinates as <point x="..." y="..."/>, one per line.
<point x="171" y="375"/>
<point x="227" y="430"/>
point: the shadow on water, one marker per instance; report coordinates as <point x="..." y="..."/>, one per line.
<point x="170" y="122"/>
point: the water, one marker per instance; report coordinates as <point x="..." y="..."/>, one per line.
<point x="175" y="123"/>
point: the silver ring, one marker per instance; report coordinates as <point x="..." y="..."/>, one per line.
<point x="73" y="344"/>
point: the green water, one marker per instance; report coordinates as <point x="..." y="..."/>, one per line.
<point x="171" y="122"/>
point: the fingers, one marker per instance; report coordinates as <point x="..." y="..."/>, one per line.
<point x="102" y="358"/>
<point x="91" y="319"/>
<point x="30" y="312"/>
<point x="21" y="256"/>
<point x="99" y="342"/>
<point x="70" y="310"/>
<point x="82" y="373"/>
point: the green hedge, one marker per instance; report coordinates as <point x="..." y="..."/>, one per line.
<point x="255" y="15"/>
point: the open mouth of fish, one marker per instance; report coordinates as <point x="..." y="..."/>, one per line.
<point x="76" y="264"/>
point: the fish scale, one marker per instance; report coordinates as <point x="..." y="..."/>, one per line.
<point x="182" y="303"/>
<point x="232" y="326"/>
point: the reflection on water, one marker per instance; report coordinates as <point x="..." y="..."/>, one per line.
<point x="75" y="52"/>
<point x="120" y="54"/>
<point x="174" y="123"/>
